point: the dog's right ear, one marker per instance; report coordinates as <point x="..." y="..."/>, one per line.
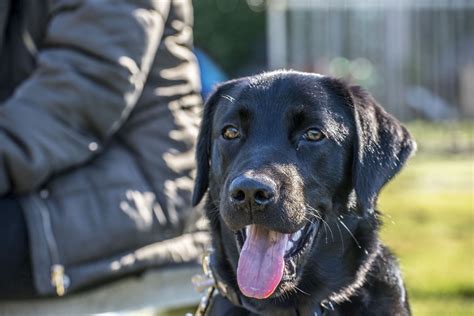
<point x="203" y="150"/>
<point x="382" y="147"/>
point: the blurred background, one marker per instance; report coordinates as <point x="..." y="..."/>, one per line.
<point x="417" y="59"/>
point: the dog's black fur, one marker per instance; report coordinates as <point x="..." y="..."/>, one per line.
<point x="333" y="181"/>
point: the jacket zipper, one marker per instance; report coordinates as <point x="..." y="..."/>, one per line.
<point x="58" y="277"/>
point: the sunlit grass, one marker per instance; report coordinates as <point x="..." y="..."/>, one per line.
<point x="429" y="223"/>
<point x="442" y="306"/>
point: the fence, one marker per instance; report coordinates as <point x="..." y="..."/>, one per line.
<point x="416" y="57"/>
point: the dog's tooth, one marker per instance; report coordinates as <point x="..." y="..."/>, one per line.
<point x="297" y="235"/>
<point x="289" y="246"/>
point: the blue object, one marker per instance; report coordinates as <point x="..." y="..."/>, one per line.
<point x="211" y="73"/>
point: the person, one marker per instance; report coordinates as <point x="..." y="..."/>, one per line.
<point x="99" y="110"/>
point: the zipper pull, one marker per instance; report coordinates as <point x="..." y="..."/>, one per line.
<point x="58" y="279"/>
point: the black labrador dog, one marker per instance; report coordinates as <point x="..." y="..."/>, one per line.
<point x="293" y="163"/>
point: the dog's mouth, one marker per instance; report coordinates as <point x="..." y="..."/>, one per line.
<point x="269" y="258"/>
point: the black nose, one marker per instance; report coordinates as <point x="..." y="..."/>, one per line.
<point x="252" y="191"/>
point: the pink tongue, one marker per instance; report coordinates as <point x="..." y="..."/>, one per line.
<point x="261" y="262"/>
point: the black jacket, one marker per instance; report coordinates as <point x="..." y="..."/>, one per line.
<point x="99" y="112"/>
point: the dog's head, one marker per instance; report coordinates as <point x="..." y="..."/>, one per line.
<point x="285" y="154"/>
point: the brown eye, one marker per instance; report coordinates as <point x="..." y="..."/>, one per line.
<point x="230" y="132"/>
<point x="313" y="135"/>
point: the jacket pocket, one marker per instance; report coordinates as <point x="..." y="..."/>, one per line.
<point x="48" y="270"/>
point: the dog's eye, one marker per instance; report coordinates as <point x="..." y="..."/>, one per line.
<point x="313" y="135"/>
<point x="230" y="132"/>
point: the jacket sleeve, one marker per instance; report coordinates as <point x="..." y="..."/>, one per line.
<point x="90" y="71"/>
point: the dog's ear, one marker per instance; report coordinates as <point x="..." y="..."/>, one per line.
<point x="203" y="150"/>
<point x="381" y="148"/>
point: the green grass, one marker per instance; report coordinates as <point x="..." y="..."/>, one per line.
<point x="429" y="221"/>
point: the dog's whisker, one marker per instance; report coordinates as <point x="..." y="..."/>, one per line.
<point x="314" y="212"/>
<point x="283" y="297"/>
<point x="350" y="233"/>
<point x="294" y="291"/>
<point x="340" y="235"/>
<point x="318" y="215"/>
<point x="326" y="234"/>
<point x="298" y="289"/>
<point x="330" y="229"/>
<point x="387" y="216"/>
<point x="213" y="213"/>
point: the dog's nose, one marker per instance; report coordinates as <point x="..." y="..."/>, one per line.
<point x="254" y="191"/>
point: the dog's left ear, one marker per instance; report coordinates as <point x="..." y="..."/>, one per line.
<point x="203" y="150"/>
<point x="381" y="148"/>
